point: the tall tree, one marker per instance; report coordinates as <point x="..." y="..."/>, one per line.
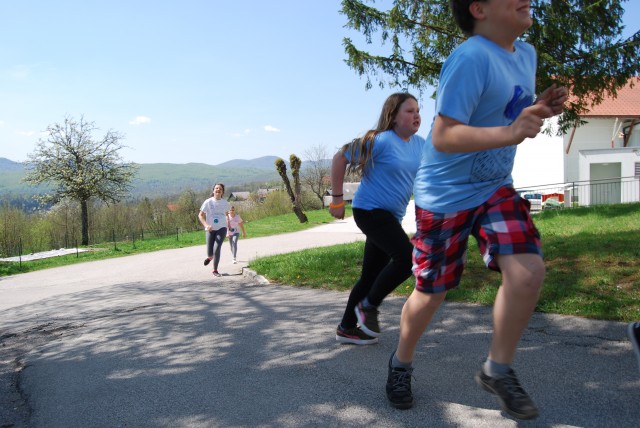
<point x="579" y="44"/>
<point x="295" y="191"/>
<point x="80" y="166"/>
<point x="318" y="171"/>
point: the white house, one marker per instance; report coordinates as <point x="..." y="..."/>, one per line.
<point x="603" y="156"/>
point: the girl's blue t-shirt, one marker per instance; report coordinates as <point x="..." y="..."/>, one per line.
<point x="483" y="85"/>
<point x="388" y="182"/>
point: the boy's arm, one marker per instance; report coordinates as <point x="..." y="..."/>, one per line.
<point x="450" y="136"/>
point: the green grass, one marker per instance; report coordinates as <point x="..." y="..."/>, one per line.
<point x="592" y="257"/>
<point x="275" y="225"/>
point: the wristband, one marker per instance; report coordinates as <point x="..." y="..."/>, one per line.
<point x="338" y="196"/>
<point x="340" y="205"/>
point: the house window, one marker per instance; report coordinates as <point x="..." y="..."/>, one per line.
<point x="637" y="169"/>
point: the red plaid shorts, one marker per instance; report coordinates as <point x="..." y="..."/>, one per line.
<point x="502" y="225"/>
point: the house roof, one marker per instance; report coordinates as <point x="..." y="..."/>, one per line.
<point x="626" y="104"/>
<point x="239" y="196"/>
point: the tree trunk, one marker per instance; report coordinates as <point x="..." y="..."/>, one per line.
<point x="296" y="163"/>
<point x="300" y="214"/>
<point x="85" y="221"/>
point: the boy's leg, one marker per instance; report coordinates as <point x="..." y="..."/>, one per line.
<point x="510" y="243"/>
<point x="440" y="246"/>
<point x="417" y="313"/>
<point x="522" y="278"/>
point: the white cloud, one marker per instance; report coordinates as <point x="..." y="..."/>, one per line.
<point x="270" y="128"/>
<point x="140" y="120"/>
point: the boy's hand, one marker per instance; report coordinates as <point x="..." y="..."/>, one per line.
<point x="530" y="121"/>
<point x="554" y="97"/>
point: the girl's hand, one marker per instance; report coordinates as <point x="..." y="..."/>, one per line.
<point x="337" y="213"/>
<point x="336" y="208"/>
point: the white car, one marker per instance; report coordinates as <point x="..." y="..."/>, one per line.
<point x="535" y="199"/>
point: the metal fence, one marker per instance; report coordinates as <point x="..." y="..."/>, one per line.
<point x="23" y="245"/>
<point x="584" y="193"/>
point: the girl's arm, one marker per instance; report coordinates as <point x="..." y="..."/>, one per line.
<point x="338" y="168"/>
<point x="203" y="219"/>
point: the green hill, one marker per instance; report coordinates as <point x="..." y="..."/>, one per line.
<point x="158" y="179"/>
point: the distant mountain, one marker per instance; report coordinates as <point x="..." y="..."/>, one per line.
<point x="267" y="162"/>
<point x="161" y="179"/>
<point x="9" y="165"/>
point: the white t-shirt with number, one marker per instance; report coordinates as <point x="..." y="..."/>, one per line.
<point x="216" y="212"/>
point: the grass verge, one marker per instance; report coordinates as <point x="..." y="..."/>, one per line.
<point x="592" y="256"/>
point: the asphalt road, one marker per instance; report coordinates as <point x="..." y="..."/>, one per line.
<point x="153" y="340"/>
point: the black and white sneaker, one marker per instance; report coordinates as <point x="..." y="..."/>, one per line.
<point x="368" y="319"/>
<point x="355" y="336"/>
<point x="207" y="261"/>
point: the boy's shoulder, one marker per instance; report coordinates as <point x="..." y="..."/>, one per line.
<point x="478" y="52"/>
<point x="480" y="44"/>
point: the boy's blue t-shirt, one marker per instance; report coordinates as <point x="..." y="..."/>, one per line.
<point x="482" y="85"/>
<point x="390" y="175"/>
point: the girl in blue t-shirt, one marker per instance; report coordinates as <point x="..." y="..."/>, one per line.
<point x="387" y="159"/>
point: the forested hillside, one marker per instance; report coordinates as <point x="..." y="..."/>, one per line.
<point x="158" y="179"/>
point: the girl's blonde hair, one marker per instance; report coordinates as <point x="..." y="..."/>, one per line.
<point x="361" y="149"/>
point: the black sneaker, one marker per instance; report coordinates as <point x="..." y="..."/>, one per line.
<point x="368" y="319"/>
<point x="633" y="330"/>
<point x="354" y="336"/>
<point x="399" y="387"/>
<point x="207" y="261"/>
<point x="513" y="398"/>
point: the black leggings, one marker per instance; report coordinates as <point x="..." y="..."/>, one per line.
<point x="386" y="262"/>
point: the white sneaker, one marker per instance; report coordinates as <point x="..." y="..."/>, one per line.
<point x="234" y="261"/>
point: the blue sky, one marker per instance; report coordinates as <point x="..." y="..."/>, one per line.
<point x="189" y="80"/>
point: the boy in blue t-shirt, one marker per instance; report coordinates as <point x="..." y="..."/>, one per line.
<point x="484" y="109"/>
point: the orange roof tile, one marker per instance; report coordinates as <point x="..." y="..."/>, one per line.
<point x="626" y="104"/>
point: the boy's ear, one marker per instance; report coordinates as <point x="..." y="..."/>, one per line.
<point x="477" y="10"/>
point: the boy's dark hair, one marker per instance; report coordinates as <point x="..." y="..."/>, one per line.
<point x="464" y="19"/>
